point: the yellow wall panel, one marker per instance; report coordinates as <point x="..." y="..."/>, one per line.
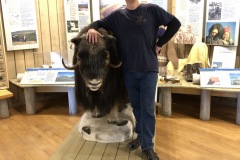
<point x="20" y="61"/>
<point x="29" y="58"/>
<point x="53" y="25"/>
<point x="62" y="29"/>
<point x="45" y="35"/>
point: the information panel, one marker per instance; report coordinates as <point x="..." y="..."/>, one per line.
<point x="20" y="24"/>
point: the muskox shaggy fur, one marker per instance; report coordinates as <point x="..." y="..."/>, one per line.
<point x="99" y="82"/>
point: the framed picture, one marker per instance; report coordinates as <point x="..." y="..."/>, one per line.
<point x="77" y="16"/>
<point x="20" y="25"/>
<point x="222" y="22"/>
<point x="190" y="14"/>
<point x="222" y="33"/>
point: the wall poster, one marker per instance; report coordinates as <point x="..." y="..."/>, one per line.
<point x="77" y="16"/>
<point x="222" y="22"/>
<point x="3" y="69"/>
<point x="102" y="8"/>
<point x="190" y="14"/>
<point x="224" y="57"/>
<point x="20" y="24"/>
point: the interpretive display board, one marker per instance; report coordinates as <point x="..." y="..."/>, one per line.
<point x="102" y="8"/>
<point x="220" y="78"/>
<point x="222" y="22"/>
<point x="77" y="16"/>
<point x="48" y="76"/>
<point x="3" y="65"/>
<point x="20" y="24"/>
<point x="3" y="71"/>
<point x="224" y="57"/>
<point x="190" y="14"/>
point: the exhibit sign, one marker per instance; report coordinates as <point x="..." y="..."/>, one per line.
<point x="48" y="76"/>
<point x="20" y="24"/>
<point x="219" y="78"/>
<point x="222" y="22"/>
<point x="77" y="16"/>
<point x="3" y="66"/>
<point x="3" y="69"/>
<point x="190" y="14"/>
<point x="224" y="57"/>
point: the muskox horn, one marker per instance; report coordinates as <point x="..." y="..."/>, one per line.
<point x="116" y="65"/>
<point x="67" y="67"/>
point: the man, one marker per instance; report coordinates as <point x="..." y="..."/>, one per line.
<point x="136" y="28"/>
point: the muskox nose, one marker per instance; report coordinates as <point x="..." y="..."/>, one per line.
<point x="94" y="84"/>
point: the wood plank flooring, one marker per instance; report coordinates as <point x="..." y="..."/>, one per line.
<point x="183" y="136"/>
<point x="77" y="148"/>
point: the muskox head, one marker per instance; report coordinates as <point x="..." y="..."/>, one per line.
<point x="92" y="60"/>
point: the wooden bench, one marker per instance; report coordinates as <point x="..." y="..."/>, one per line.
<point x="30" y="90"/>
<point x="165" y="97"/>
<point x="4" y="111"/>
<point x="75" y="147"/>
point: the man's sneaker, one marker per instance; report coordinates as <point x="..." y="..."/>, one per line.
<point x="151" y="155"/>
<point x="134" y="144"/>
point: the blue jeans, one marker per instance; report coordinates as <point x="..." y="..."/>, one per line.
<point x="141" y="87"/>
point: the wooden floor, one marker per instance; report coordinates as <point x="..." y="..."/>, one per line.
<point x="179" y="137"/>
<point x="75" y="147"/>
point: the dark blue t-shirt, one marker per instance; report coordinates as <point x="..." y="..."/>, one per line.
<point x="136" y="33"/>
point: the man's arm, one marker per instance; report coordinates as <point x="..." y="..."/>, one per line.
<point x="172" y="28"/>
<point x="94" y="25"/>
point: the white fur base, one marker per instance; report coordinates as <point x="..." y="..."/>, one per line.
<point x="102" y="131"/>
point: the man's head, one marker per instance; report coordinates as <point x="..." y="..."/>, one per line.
<point x="132" y="4"/>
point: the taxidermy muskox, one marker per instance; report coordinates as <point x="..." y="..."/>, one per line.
<point x="99" y="86"/>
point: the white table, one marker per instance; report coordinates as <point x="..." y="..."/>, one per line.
<point x="31" y="89"/>
<point x="165" y="97"/>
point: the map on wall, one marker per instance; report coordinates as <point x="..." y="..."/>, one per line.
<point x="222" y="22"/>
<point x="20" y="24"/>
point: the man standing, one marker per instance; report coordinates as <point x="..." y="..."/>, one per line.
<point x="136" y="28"/>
